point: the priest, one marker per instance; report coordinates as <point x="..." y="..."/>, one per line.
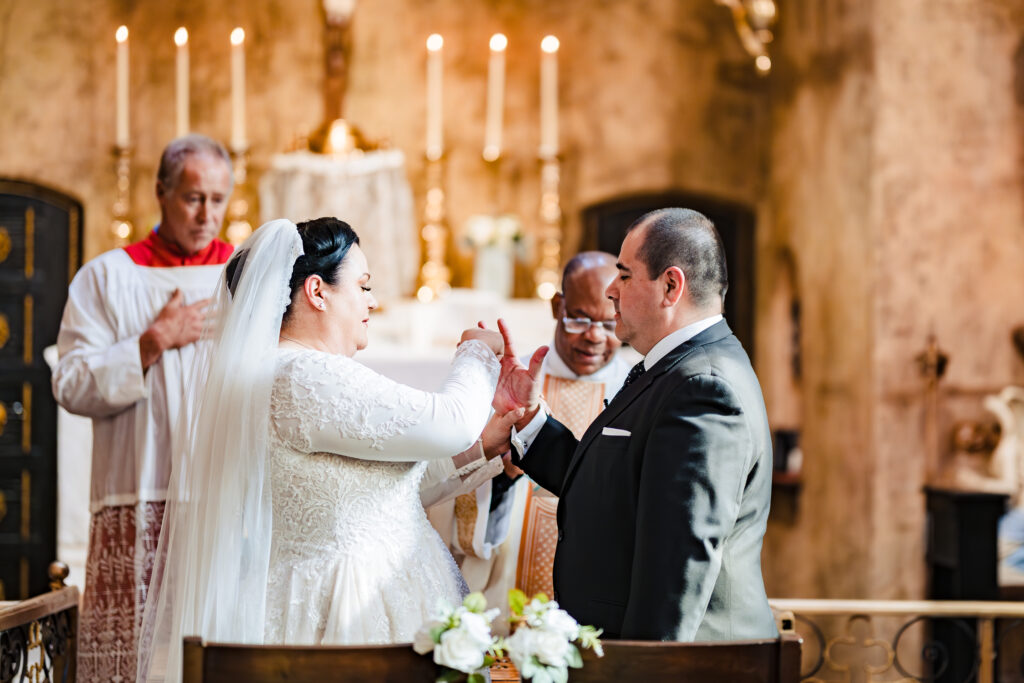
<point x="126" y="343"/>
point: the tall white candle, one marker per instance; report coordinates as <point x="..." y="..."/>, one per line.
<point x="549" y="97"/>
<point x="122" y="138"/>
<point x="495" y="97"/>
<point x="435" y="103"/>
<point x="238" y="141"/>
<point x="181" y="82"/>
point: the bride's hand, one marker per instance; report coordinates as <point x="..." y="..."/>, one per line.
<point x="489" y="337"/>
<point x="496" y="437"/>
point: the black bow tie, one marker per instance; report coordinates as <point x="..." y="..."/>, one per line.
<point x="634" y="374"/>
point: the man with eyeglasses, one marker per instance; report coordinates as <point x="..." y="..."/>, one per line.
<point x="510" y="519"/>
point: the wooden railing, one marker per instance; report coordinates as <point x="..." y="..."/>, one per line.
<point x="907" y="640"/>
<point x="37" y="636"/>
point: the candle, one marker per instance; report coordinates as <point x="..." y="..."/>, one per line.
<point x="238" y="141"/>
<point x="122" y="138"/>
<point x="495" y="97"/>
<point x="181" y="82"/>
<point x="549" y="97"/>
<point x="435" y="144"/>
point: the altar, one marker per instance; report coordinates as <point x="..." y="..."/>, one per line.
<point x="369" y="191"/>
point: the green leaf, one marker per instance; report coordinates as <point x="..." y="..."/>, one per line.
<point x="475" y="602"/>
<point x="449" y="675"/>
<point x="488" y="660"/>
<point x="476" y="678"/>
<point x="573" y="657"/>
<point x="541" y="598"/>
<point x="516" y="601"/>
<point x="435" y="633"/>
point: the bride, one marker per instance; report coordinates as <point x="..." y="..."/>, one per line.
<point x="294" y="511"/>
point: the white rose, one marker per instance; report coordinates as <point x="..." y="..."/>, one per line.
<point x="550" y="647"/>
<point x="520" y="647"/>
<point x="476" y="626"/>
<point x="559" y="621"/>
<point x="459" y="650"/>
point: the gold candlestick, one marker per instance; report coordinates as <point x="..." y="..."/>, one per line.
<point x="546" y="275"/>
<point x="238" y="226"/>
<point x="121" y="226"/>
<point x="435" y="276"/>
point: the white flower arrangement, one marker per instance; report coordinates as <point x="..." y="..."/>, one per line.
<point x="501" y="230"/>
<point x="461" y="639"/>
<point x="543" y="646"/>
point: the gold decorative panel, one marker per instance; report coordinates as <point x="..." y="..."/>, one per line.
<point x="29" y="308"/>
<point x="5" y="244"/>
<point x="3" y="417"/>
<point x="5" y="330"/>
<point x="30" y="242"/>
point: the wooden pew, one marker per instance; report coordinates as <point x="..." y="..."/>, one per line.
<point x="38" y="635"/>
<point x="758" y="661"/>
<point x="224" y="663"/>
<point x="775" y="660"/>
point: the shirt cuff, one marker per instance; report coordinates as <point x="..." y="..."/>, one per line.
<point x="521" y="440"/>
<point x="476" y="463"/>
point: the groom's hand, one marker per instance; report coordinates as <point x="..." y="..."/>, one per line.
<point x="518" y="385"/>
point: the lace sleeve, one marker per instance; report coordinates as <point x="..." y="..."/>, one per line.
<point x="334" y="404"/>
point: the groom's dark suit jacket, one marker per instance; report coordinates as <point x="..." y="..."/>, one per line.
<point x="660" y="531"/>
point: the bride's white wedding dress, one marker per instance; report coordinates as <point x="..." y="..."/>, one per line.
<point x="353" y="558"/>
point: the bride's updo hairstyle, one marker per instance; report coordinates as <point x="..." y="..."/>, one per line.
<point x="325" y="243"/>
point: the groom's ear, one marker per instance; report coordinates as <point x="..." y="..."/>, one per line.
<point x="673" y="282"/>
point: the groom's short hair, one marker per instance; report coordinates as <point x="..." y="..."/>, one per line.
<point x="686" y="239"/>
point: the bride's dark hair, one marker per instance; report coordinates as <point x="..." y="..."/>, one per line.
<point x="325" y="243"/>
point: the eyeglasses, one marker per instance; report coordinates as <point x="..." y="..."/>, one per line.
<point x="581" y="325"/>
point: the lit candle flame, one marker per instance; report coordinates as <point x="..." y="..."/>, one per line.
<point x="499" y="42"/>
<point x="122" y="34"/>
<point x="238" y="36"/>
<point x="435" y="42"/>
<point x="549" y="44"/>
<point x="181" y="36"/>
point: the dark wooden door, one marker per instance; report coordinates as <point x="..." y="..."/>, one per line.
<point x="40" y="250"/>
<point x="605" y="224"/>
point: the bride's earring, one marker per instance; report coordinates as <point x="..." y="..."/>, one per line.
<point x="321" y="305"/>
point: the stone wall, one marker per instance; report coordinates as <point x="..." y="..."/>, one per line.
<point x="896" y="181"/>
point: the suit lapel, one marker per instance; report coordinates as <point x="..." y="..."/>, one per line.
<point x="628" y="395"/>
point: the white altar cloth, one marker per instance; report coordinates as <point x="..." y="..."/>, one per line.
<point x="369" y="191"/>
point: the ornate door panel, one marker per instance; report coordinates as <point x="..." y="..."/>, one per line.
<point x="40" y="250"/>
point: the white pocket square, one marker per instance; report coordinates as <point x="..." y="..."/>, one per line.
<point x="612" y="431"/>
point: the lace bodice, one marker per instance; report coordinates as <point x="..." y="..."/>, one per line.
<point x="353" y="558"/>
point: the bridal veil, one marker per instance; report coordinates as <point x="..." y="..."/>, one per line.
<point x="210" y="574"/>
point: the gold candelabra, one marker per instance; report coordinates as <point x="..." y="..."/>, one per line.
<point x="546" y="275"/>
<point x="121" y="226"/>
<point x="239" y="227"/>
<point x="435" y="276"/>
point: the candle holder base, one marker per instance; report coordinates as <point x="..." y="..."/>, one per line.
<point x="121" y="227"/>
<point x="435" y="275"/>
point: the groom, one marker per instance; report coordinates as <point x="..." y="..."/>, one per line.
<point x="664" y="500"/>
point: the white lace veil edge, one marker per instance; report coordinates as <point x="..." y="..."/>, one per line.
<point x="210" y="573"/>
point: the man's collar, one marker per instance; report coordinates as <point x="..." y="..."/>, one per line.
<point x="674" y="339"/>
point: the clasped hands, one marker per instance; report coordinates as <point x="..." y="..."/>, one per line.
<point x="517" y="397"/>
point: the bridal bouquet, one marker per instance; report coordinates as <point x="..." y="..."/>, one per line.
<point x="543" y="646"/>
<point x="461" y="639"/>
